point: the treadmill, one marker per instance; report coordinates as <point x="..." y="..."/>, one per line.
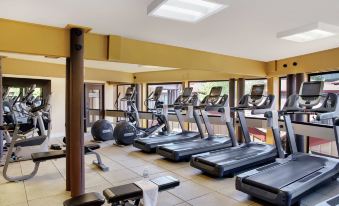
<point x="149" y="144"/>
<point x="227" y="162"/>
<point x="287" y="180"/>
<point x="182" y="151"/>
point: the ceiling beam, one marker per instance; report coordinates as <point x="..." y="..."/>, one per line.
<point x="147" y="53"/>
<point x="309" y="63"/>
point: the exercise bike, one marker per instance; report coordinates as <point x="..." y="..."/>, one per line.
<point x="126" y="131"/>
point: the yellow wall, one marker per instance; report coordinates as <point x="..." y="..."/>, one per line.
<point x="181" y="75"/>
<point x="33" y="68"/>
<point x="310" y="63"/>
<point x="147" y="53"/>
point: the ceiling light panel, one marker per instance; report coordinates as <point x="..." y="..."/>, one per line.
<point x="184" y="10"/>
<point x="309" y="32"/>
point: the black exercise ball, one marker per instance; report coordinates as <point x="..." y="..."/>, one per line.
<point x="102" y="130"/>
<point x="124" y="133"/>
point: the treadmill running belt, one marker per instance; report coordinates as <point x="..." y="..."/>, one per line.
<point x="280" y="176"/>
<point x="235" y="154"/>
<point x="333" y="201"/>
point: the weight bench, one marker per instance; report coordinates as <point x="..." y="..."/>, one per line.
<point x="123" y="195"/>
<point x="39" y="157"/>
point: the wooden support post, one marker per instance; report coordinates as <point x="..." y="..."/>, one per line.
<point x="67" y="125"/>
<point x="1" y="110"/>
<point x="290" y="89"/>
<point x="240" y="93"/>
<point x="300" y="139"/>
<point x="75" y="102"/>
<point x="231" y="96"/>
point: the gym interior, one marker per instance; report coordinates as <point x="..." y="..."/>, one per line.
<point x="169" y="102"/>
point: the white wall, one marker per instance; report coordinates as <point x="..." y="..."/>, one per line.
<point x="58" y="88"/>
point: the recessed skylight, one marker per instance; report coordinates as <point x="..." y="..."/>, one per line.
<point x="309" y="32"/>
<point x="184" y="10"/>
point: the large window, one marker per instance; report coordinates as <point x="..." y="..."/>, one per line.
<point x="203" y="88"/>
<point x="317" y="144"/>
<point x="170" y="93"/>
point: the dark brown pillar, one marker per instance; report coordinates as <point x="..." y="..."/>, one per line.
<point x="231" y="96"/>
<point x="290" y="89"/>
<point x="1" y="108"/>
<point x="231" y="92"/>
<point x="300" y="139"/>
<point x="76" y="113"/>
<point x="67" y="128"/>
<point x="240" y="93"/>
<point x="290" y="85"/>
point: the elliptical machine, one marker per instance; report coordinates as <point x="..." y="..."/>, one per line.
<point x="126" y="131"/>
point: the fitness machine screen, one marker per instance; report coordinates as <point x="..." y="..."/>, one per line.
<point x="258" y="90"/>
<point x="157" y="92"/>
<point x="129" y="92"/>
<point x="311" y="89"/>
<point x="215" y="91"/>
<point x="187" y="92"/>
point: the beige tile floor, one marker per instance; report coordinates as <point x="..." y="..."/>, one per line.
<point x="126" y="166"/>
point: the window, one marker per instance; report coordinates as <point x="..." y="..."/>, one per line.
<point x="203" y="88"/>
<point x="316" y="144"/>
<point x="170" y="93"/>
<point x="283" y="92"/>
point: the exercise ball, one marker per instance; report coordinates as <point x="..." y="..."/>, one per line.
<point x="102" y="130"/>
<point x="124" y="133"/>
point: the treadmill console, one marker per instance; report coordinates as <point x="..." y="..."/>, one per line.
<point x="257" y="94"/>
<point x="214" y="96"/>
<point x="129" y="95"/>
<point x="310" y="93"/>
<point x="184" y="97"/>
<point x="157" y="93"/>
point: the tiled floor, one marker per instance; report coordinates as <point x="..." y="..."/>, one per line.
<point x="127" y="165"/>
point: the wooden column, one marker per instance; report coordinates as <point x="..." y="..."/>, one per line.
<point x="67" y="126"/>
<point x="75" y="105"/>
<point x="231" y="92"/>
<point x="290" y="89"/>
<point x="231" y="96"/>
<point x="240" y="93"/>
<point x="1" y="108"/>
<point x="300" y="139"/>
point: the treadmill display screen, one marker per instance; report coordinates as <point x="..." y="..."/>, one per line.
<point x="258" y="90"/>
<point x="215" y="92"/>
<point x="187" y="92"/>
<point x="157" y="92"/>
<point x="129" y="92"/>
<point x="311" y="89"/>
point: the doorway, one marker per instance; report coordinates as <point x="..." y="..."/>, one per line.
<point x="94" y="103"/>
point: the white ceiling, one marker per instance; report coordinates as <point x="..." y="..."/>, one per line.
<point x="104" y="65"/>
<point x="247" y="28"/>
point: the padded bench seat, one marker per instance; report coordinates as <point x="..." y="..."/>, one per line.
<point x="88" y="199"/>
<point x="133" y="192"/>
<point x="89" y="147"/>
<point x="44" y="156"/>
<point x="55" y="154"/>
